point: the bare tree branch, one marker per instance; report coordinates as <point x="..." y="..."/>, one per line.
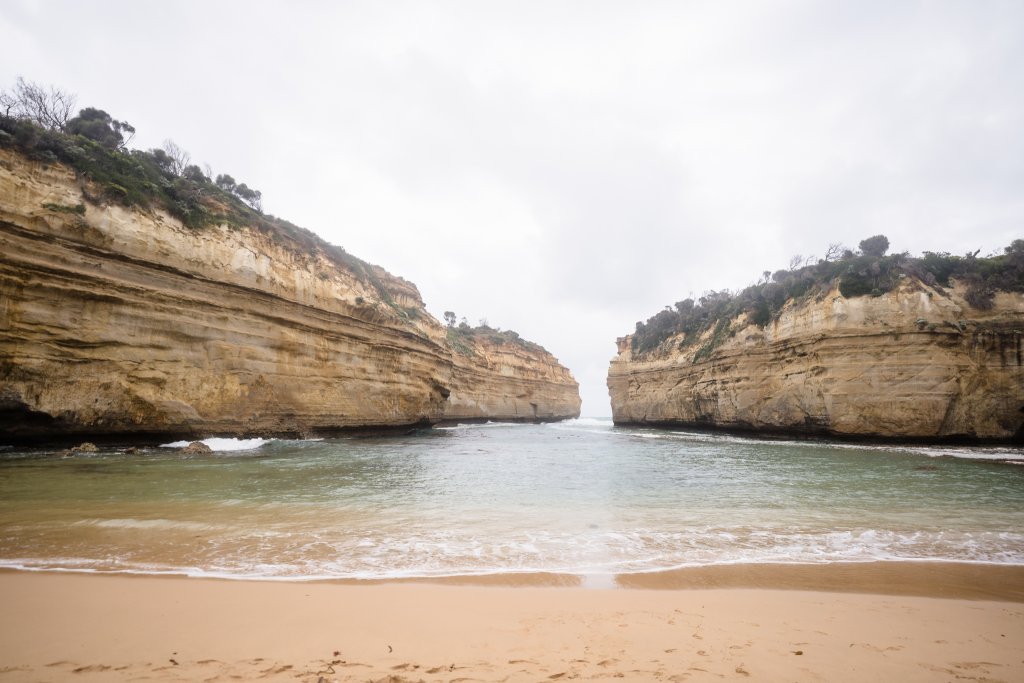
<point x="7" y="102"/>
<point x="50" y="108"/>
<point x="179" y="158"/>
<point x="127" y="130"/>
<point x="834" y="251"/>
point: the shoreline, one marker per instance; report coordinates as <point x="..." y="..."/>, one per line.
<point x="909" y="578"/>
<point x="768" y="433"/>
<point x="64" y="626"/>
<point x="152" y="438"/>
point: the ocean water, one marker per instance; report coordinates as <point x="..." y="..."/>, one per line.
<point x="579" y="497"/>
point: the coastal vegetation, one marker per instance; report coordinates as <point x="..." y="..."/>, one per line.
<point x="38" y="122"/>
<point x="462" y="335"/>
<point x="868" y="271"/>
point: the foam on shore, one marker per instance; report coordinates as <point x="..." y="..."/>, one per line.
<point x="223" y="444"/>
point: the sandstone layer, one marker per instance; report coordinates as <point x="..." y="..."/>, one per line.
<point x="120" y="321"/>
<point x="915" y="363"/>
<point x="499" y="378"/>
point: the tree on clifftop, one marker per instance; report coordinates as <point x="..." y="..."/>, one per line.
<point x="875" y="246"/>
<point x="254" y="198"/>
<point x="177" y="158"/>
<point x="98" y="125"/>
<point x="50" y="108"/>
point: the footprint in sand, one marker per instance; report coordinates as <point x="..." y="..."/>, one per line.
<point x="973" y="665"/>
<point x="435" y="670"/>
<point x="276" y="670"/>
<point x="91" y="668"/>
<point x="875" y="648"/>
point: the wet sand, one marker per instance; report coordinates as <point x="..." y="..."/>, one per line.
<point x="960" y="622"/>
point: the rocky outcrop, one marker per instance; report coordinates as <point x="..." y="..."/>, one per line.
<point x="117" y="320"/>
<point x="915" y="363"/>
<point x="493" y="376"/>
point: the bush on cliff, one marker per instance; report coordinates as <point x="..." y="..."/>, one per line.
<point x="128" y="177"/>
<point x="462" y="336"/>
<point x="870" y="272"/>
<point x="36" y="121"/>
<point x="99" y="126"/>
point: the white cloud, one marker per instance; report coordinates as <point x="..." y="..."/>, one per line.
<point x="566" y="169"/>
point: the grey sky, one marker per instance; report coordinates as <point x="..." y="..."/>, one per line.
<point x="566" y="169"/>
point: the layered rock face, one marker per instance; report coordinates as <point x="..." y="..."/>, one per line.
<point x="915" y="363"/>
<point x="122" y="321"/>
<point x="511" y="380"/>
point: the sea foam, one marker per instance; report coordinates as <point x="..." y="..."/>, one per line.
<point x="222" y="444"/>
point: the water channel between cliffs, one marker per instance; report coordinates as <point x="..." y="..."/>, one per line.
<point x="578" y="498"/>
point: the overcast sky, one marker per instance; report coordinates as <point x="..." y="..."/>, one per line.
<point x="565" y="169"/>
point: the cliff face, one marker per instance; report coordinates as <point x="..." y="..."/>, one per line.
<point x="916" y="363"/>
<point x="494" y="378"/>
<point x="117" y="320"/>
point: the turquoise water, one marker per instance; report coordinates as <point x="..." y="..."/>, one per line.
<point x="580" y="497"/>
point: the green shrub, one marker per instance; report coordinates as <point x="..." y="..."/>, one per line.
<point x="146" y="179"/>
<point x="116" y="192"/>
<point x="78" y="209"/>
<point x="869" y="273"/>
<point x="462" y="336"/>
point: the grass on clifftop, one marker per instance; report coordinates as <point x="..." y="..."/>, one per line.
<point x="36" y="121"/>
<point x="867" y="272"/>
<point x="461" y="337"/>
<point x="153" y="179"/>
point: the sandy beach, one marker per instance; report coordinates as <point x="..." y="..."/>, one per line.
<point x="75" y="627"/>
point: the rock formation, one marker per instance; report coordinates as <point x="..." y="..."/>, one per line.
<point x="118" y="320"/>
<point x="917" y="362"/>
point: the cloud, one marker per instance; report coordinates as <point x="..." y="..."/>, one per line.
<point x="566" y="169"/>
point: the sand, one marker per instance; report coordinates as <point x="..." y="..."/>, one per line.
<point x="75" y="627"/>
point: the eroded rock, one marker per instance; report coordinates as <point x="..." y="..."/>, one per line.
<point x="917" y="362"/>
<point x="126" y="321"/>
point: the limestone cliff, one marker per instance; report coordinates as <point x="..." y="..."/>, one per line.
<point x="117" y="320"/>
<point x="914" y="363"/>
<point x="495" y="376"/>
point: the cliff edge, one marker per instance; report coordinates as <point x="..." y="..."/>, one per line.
<point x="118" y="320"/>
<point x="916" y="362"/>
